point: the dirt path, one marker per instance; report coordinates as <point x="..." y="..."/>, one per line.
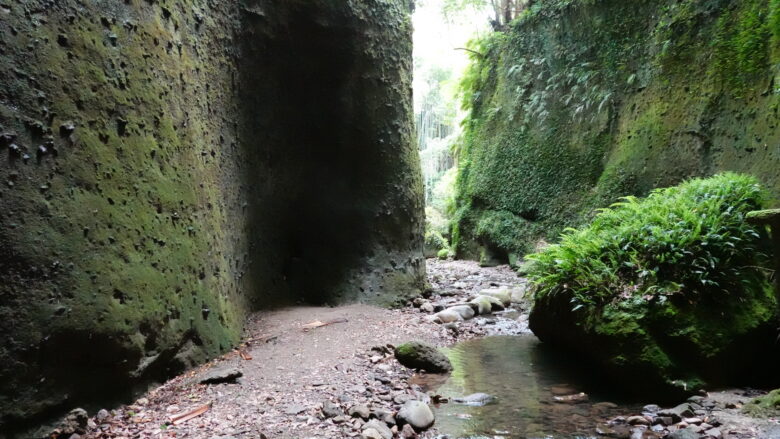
<point x="290" y="367"/>
<point x="288" y="372"/>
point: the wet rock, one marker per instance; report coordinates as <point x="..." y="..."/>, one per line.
<point x="714" y="433"/>
<point x="417" y="414"/>
<point x="476" y="399"/>
<point x="379" y="427"/>
<point x="74" y="423"/>
<point x="466" y="312"/>
<point x="371" y="433"/>
<point x="384" y="416"/>
<point x="402" y="398"/>
<point x="446" y="316"/>
<point x="487" y="304"/>
<point x="517" y="295"/>
<point x="418" y="355"/>
<point x="294" y="409"/>
<point x="359" y="411"/>
<point x="638" y="420"/>
<point x="331" y="410"/>
<point x="685" y="433"/>
<point x="407" y="432"/>
<point x="651" y="408"/>
<point x="483" y="304"/>
<point x="221" y="374"/>
<point x="677" y="413"/>
<point x="102" y="415"/>
<point x="503" y="294"/>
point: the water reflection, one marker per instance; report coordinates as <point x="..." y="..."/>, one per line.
<point x="539" y="393"/>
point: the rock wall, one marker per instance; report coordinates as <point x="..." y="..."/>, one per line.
<point x="581" y="102"/>
<point x="168" y="166"/>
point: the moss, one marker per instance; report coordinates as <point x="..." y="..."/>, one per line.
<point x="672" y="287"/>
<point x="767" y="216"/>
<point x="764" y="406"/>
<point x="580" y="103"/>
<point x="156" y="224"/>
<point x="435" y="243"/>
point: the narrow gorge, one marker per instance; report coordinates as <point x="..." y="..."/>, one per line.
<point x="379" y="219"/>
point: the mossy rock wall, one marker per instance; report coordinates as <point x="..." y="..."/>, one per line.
<point x="580" y="102"/>
<point x="168" y="166"/>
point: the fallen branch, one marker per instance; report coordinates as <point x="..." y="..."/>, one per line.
<point x="318" y="324"/>
<point x="186" y="416"/>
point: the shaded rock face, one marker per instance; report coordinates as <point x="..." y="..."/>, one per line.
<point x="667" y="350"/>
<point x="579" y="103"/>
<point x="168" y="166"/>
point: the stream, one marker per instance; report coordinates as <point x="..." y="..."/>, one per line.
<point x="538" y="394"/>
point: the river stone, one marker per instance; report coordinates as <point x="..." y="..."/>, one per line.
<point x="466" y="312"/>
<point x="221" y="374"/>
<point x="331" y="410"/>
<point x="384" y="416"/>
<point x="75" y="422"/>
<point x="476" y="399"/>
<point x="446" y="316"/>
<point x="407" y="432"/>
<point x="678" y="413"/>
<point x="417" y="414"/>
<point x="371" y="433"/>
<point x="380" y="427"/>
<point x="685" y="433"/>
<point x="518" y="294"/>
<point x="483" y="304"/>
<point x="503" y="294"/>
<point x="360" y="411"/>
<point x="637" y="420"/>
<point x="419" y="355"/>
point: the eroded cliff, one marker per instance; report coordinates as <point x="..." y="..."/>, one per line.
<point x="169" y="166"/>
<point x="581" y="102"/>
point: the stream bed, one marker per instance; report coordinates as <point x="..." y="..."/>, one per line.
<point x="538" y="393"/>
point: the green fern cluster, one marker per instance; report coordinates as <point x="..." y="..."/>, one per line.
<point x="686" y="239"/>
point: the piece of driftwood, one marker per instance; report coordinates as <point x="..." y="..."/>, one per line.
<point x="186" y="416"/>
<point x="318" y="324"/>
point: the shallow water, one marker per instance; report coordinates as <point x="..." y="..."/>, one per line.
<point x="533" y="387"/>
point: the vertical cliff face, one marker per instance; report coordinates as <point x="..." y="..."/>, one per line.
<point x="169" y="166"/>
<point x="581" y="102"/>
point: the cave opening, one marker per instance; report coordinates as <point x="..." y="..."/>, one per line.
<point x="317" y="139"/>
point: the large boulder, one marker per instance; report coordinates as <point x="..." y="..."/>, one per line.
<point x="419" y="355"/>
<point x="667" y="303"/>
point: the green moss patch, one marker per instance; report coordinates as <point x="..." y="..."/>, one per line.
<point x="674" y="287"/>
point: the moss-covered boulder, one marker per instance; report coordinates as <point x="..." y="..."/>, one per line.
<point x="667" y="294"/>
<point x="419" y="355"/>
<point x="435" y="244"/>
<point x="764" y="406"/>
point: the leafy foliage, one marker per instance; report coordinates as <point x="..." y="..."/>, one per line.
<point x="686" y="239"/>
